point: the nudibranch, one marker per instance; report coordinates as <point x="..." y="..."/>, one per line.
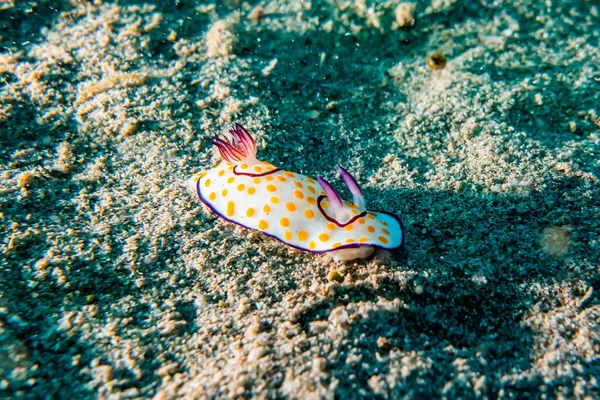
<point x="305" y="213"/>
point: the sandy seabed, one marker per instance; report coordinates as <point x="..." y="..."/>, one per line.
<point x="116" y="283"/>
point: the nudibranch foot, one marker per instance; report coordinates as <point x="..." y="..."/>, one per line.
<point x="351" y="253"/>
<point x="305" y="213"/>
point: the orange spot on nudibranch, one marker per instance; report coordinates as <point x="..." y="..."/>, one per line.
<point x="230" y="180"/>
<point x="256" y="180"/>
<point x="336" y="244"/>
<point x="291" y="207"/>
<point x="269" y="178"/>
<point x="280" y="178"/>
<point x="224" y="192"/>
<point x="298" y="194"/>
<point x="302" y="235"/>
<point x="298" y="184"/>
<point x="289" y="174"/>
<point x="349" y="240"/>
<point x="262" y="224"/>
<point x="383" y="239"/>
<point x="250" y="212"/>
<point x="361" y="221"/>
<point x="311" y="200"/>
<point x="312" y="245"/>
<point x="257" y="168"/>
<point x="274" y="199"/>
<point x="222" y="172"/>
<point x="349" y="227"/>
<point x="207" y="183"/>
<point x="251" y="190"/>
<point x="330" y="226"/>
<point x="271" y="188"/>
<point x="363" y="239"/>
<point x="385" y="231"/>
<point x="309" y="214"/>
<point x="266" y="208"/>
<point x="241" y="187"/>
<point x="288" y="235"/>
<point x="371" y="228"/>
<point x="312" y="189"/>
<point x="230" y="209"/>
<point x="212" y="196"/>
<point x="284" y="222"/>
<point x="323" y="237"/>
<point x="244" y="166"/>
<point x="311" y="180"/>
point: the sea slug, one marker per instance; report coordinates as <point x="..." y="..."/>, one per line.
<point x="305" y="213"/>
